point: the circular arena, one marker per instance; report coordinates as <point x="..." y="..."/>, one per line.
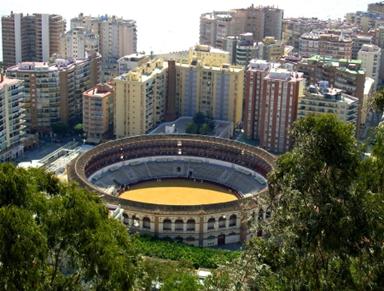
<point x="196" y="189"/>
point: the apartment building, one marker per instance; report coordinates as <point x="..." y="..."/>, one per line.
<point x="365" y="20"/>
<point x="129" y="62"/>
<point x="271" y="98"/>
<point x="293" y="28"/>
<point x="117" y="36"/>
<point x="325" y="44"/>
<point x="322" y="99"/>
<point x="254" y="76"/>
<point x="206" y="82"/>
<point x="78" y="43"/>
<point x="31" y="37"/>
<point x="370" y="56"/>
<point x="216" y="26"/>
<point x="270" y="49"/>
<point x="140" y="98"/>
<point x="11" y="122"/>
<point x="358" y="41"/>
<point x="53" y="92"/>
<point x="98" y="112"/>
<point x="344" y="74"/>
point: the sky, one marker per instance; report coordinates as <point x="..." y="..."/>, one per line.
<point x="173" y="25"/>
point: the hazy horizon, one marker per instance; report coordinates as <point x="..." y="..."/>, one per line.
<point x="166" y="25"/>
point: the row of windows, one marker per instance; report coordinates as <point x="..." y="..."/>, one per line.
<point x="179" y="223"/>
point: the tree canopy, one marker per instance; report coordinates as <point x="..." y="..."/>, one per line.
<point x="59" y="237"/>
<point x="326" y="231"/>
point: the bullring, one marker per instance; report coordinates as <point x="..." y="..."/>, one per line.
<point x="235" y="172"/>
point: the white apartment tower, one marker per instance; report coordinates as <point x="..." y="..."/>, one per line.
<point x="117" y="36"/>
<point x="11" y="123"/>
<point x="370" y="56"/>
<point x="78" y="43"/>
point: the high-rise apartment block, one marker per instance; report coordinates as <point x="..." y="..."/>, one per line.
<point x="78" y="43"/>
<point x="11" y="122"/>
<point x="376" y="7"/>
<point x="322" y="99"/>
<point x="140" y="98"/>
<point x="293" y="28"/>
<point x="216" y="26"/>
<point x="358" y="41"/>
<point x="325" y="44"/>
<point x="130" y="62"/>
<point x="98" y="112"/>
<point x="31" y="37"/>
<point x="370" y="56"/>
<point x="270" y="49"/>
<point x="207" y="83"/>
<point x="365" y="20"/>
<point x="271" y="98"/>
<point x="117" y="36"/>
<point x="53" y="92"/>
<point x="203" y="81"/>
<point x="344" y="74"/>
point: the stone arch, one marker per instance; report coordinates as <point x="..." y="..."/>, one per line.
<point x="211" y="223"/>
<point x="233" y="220"/>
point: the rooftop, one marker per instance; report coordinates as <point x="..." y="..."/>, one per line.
<point x="100" y="90"/>
<point x="4" y="81"/>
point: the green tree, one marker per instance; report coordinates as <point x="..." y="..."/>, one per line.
<point x="59" y="237"/>
<point x="199" y="118"/>
<point x="378" y="100"/>
<point x="78" y="129"/>
<point x="60" y="128"/>
<point x="23" y="250"/>
<point x="205" y="129"/>
<point x="181" y="281"/>
<point x="192" y="128"/>
<point x="323" y="234"/>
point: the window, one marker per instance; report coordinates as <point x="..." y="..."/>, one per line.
<point x="146" y="223"/>
<point x="191" y="225"/>
<point x="222" y="222"/>
<point x="179" y="225"/>
<point x="167" y="225"/>
<point x="211" y="223"/>
<point x="233" y="220"/>
<point x="261" y="214"/>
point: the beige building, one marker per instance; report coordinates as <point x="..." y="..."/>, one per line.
<point x="31" y="37"/>
<point x="207" y="83"/>
<point x="270" y="49"/>
<point x="370" y="56"/>
<point x="11" y="122"/>
<point x="326" y="44"/>
<point x="140" y="98"/>
<point x="78" y="43"/>
<point x="98" y="112"/>
<point x="216" y="26"/>
<point x="53" y="92"/>
<point x="117" y="36"/>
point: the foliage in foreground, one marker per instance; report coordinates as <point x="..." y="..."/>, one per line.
<point x="327" y="229"/>
<point x="191" y="256"/>
<point x="59" y="237"/>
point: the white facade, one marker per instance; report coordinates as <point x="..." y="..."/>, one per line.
<point x="18" y="37"/>
<point x="321" y="100"/>
<point x="11" y="123"/>
<point x="370" y="56"/>
<point x="117" y="36"/>
<point x="78" y="42"/>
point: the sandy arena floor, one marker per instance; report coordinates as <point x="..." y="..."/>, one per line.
<point x="178" y="192"/>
